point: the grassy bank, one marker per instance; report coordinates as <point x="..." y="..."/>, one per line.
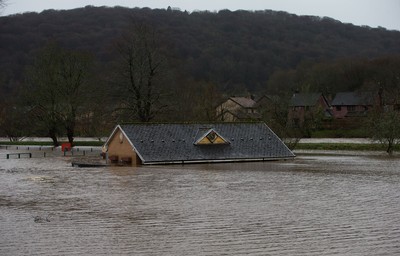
<point x="339" y="133"/>
<point x="343" y="146"/>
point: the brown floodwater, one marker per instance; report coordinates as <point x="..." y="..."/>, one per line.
<point x="313" y="205"/>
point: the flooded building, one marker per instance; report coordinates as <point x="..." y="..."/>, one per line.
<point x="138" y="144"/>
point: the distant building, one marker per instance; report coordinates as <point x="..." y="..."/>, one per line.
<point x="351" y="108"/>
<point x="238" y="109"/>
<point x="138" y="144"/>
<point x="353" y="104"/>
<point x="302" y="105"/>
<point x="269" y="106"/>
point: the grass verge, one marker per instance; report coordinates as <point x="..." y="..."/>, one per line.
<point x="343" y="146"/>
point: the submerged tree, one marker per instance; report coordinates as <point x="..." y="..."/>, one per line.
<point x="141" y="73"/>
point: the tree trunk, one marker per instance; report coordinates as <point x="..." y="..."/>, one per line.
<point x="389" y="149"/>
<point x="53" y="136"/>
<point x="70" y="135"/>
<point x="55" y="140"/>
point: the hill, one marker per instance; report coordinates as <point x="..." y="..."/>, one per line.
<point x="231" y="49"/>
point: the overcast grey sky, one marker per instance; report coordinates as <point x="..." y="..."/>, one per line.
<point x="373" y="13"/>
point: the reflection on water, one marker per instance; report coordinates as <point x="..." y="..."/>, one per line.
<point x="314" y="205"/>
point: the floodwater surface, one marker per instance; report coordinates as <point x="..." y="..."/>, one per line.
<point x="313" y="205"/>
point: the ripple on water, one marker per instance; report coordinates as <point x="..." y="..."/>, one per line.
<point x="314" y="205"/>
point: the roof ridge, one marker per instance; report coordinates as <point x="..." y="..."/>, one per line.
<point x="193" y="122"/>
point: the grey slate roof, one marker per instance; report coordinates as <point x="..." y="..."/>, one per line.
<point x="174" y="143"/>
<point x="244" y="102"/>
<point x="304" y="99"/>
<point x="353" y="99"/>
<point x="242" y="115"/>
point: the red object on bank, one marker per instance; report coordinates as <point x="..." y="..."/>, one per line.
<point x="66" y="147"/>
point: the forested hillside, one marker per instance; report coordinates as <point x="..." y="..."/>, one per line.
<point x="238" y="49"/>
<point x="82" y="71"/>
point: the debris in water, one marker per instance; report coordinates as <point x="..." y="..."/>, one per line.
<point x="40" y="219"/>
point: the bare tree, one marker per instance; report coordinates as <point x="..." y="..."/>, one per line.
<point x="141" y="73"/>
<point x="43" y="96"/>
<point x="13" y="120"/>
<point x="73" y="68"/>
<point x="57" y="86"/>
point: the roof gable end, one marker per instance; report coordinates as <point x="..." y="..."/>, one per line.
<point x="211" y="137"/>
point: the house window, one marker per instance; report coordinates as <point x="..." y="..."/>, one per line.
<point x="212" y="136"/>
<point x="351" y="108"/>
<point x="338" y="108"/>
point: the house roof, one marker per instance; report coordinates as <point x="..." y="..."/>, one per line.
<point x="176" y="143"/>
<point x="240" y="115"/>
<point x="268" y="98"/>
<point x="304" y="99"/>
<point x="244" y="102"/>
<point x="353" y="99"/>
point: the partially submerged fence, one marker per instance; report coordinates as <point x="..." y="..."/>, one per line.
<point x="17" y="152"/>
<point x="19" y="155"/>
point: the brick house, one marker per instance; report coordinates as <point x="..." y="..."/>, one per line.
<point x="353" y="104"/>
<point x="307" y="105"/>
